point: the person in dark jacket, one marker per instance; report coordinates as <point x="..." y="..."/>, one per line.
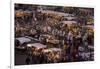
<point x="27" y="60"/>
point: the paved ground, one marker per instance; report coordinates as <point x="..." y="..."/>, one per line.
<point x="20" y="59"/>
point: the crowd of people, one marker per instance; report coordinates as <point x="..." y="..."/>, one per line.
<point x="39" y="56"/>
<point x="70" y="37"/>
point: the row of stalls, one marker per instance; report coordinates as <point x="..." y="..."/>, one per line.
<point x="47" y="13"/>
<point x="21" y="13"/>
<point x="31" y="46"/>
<point x="27" y="42"/>
<point x="57" y="15"/>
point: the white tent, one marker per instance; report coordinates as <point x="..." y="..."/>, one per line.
<point x="47" y="50"/>
<point x="23" y="39"/>
<point x="91" y="47"/>
<point x="89" y="26"/>
<point x="55" y="13"/>
<point x="69" y="17"/>
<point x="52" y="49"/>
<point x="69" y="23"/>
<point x="36" y="45"/>
<point x="55" y="49"/>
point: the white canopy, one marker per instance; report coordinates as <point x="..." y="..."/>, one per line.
<point x="37" y="45"/>
<point x="69" y="22"/>
<point x="69" y="17"/>
<point x="91" y="47"/>
<point x="31" y="38"/>
<point x="55" y="49"/>
<point x="89" y="26"/>
<point x="52" y="49"/>
<point x="55" y="12"/>
<point x="23" y="39"/>
<point x="47" y="50"/>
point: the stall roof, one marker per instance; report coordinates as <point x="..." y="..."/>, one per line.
<point x="89" y="26"/>
<point x="70" y="17"/>
<point x="37" y="45"/>
<point x="23" y="39"/>
<point x="31" y="38"/>
<point x="55" y="12"/>
<point x="55" y="49"/>
<point x="69" y="22"/>
<point x="52" y="49"/>
<point x="90" y="47"/>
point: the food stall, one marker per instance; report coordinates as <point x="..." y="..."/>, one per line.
<point x="53" y="41"/>
<point x="90" y="28"/>
<point x="21" y="13"/>
<point x="23" y="40"/>
<point x="54" y="54"/>
<point x="69" y="23"/>
<point x="35" y="48"/>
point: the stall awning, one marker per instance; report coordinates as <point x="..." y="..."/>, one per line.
<point x="36" y="45"/>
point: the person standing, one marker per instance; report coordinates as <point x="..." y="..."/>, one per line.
<point x="27" y="60"/>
